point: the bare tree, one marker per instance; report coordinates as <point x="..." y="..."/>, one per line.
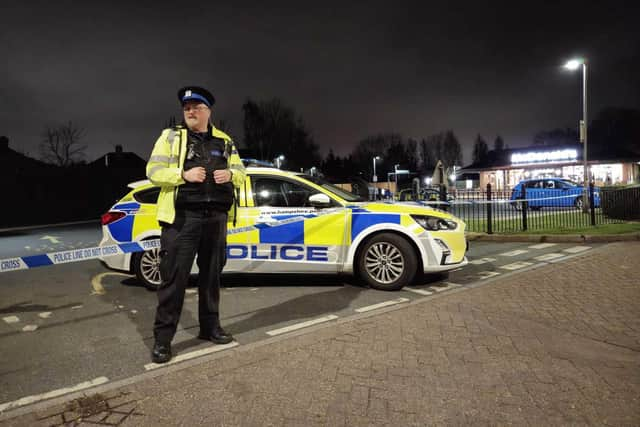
<point x="171" y="122"/>
<point x="480" y="150"/>
<point x="223" y="125"/>
<point x="61" y="146"/>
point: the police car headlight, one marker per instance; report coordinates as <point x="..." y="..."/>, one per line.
<point x="432" y="223"/>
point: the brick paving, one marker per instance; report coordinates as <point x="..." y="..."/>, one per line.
<point x="557" y="345"/>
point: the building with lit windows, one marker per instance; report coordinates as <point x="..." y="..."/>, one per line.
<point x="506" y="168"/>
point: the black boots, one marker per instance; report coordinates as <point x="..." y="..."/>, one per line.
<point x="217" y="335"/>
<point x="161" y="353"/>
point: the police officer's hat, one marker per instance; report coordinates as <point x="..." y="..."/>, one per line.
<point x="197" y="94"/>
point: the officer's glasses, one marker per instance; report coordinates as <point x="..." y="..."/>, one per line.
<point x="196" y="108"/>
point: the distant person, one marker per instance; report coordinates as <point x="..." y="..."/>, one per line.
<point x="196" y="167"/>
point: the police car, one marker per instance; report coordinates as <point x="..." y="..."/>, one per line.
<point x="293" y="223"/>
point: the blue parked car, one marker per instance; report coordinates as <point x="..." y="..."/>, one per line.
<point x="551" y="192"/>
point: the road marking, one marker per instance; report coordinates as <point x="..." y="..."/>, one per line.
<point x="515" y="253"/>
<point x="29" y="328"/>
<point x="382" y="304"/>
<point x="549" y="257"/>
<point x="191" y="291"/>
<point x="542" y="245"/>
<point x="482" y="261"/>
<point x="516" y="265"/>
<point x="191" y="355"/>
<point x="302" y="325"/>
<point x="418" y="291"/>
<point x="487" y="274"/>
<point x="576" y="249"/>
<point x="96" y="282"/>
<point x="52" y="239"/>
<point x="448" y="285"/>
<point x="11" y="319"/>
<point x="44" y="314"/>
<point x="76" y="307"/>
<point x="51" y="394"/>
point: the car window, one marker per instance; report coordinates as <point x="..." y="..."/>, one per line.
<point x="550" y="184"/>
<point x="280" y="192"/>
<point x="147" y="196"/>
<point x="533" y="184"/>
<point x="346" y="195"/>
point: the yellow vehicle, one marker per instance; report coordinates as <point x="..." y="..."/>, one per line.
<point x="294" y="223"/>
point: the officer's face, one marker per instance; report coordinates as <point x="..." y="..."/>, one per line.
<point x="196" y="115"/>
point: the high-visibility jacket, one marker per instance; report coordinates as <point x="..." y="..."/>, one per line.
<point x="165" y="167"/>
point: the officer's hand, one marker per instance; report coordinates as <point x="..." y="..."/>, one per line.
<point x="222" y="175"/>
<point x="197" y="174"/>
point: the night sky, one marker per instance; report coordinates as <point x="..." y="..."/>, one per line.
<point x="350" y="70"/>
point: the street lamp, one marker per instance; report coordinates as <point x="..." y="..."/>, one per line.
<point x="573" y="65"/>
<point x="374" y="178"/>
<point x="279" y="160"/>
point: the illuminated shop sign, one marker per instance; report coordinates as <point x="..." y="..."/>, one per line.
<point x="544" y="156"/>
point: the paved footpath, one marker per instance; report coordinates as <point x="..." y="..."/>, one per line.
<point x="556" y="345"/>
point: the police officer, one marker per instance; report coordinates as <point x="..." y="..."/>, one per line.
<point x="198" y="170"/>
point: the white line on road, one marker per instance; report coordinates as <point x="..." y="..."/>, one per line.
<point x="576" y="249"/>
<point x="515" y="253"/>
<point x="51" y="394"/>
<point x="482" y="261"/>
<point x="549" y="257"/>
<point x="191" y="355"/>
<point x="418" y="291"/>
<point x="542" y="245"/>
<point x="516" y="265"/>
<point x="487" y="274"/>
<point x="44" y="314"/>
<point x="382" y="304"/>
<point x="448" y="285"/>
<point x="11" y="319"/>
<point x="29" y="328"/>
<point x="302" y="325"/>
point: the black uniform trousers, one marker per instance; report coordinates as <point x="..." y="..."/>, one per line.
<point x="201" y="231"/>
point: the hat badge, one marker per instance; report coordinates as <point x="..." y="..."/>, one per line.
<point x="187" y="93"/>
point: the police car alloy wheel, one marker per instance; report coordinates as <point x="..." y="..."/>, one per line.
<point x="579" y="202"/>
<point x="146" y="266"/>
<point x="387" y="262"/>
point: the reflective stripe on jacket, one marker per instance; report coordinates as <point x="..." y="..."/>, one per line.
<point x="165" y="164"/>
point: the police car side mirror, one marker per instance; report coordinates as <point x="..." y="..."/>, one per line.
<point x="319" y="200"/>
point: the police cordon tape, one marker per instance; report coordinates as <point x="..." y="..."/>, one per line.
<point x="98" y="252"/>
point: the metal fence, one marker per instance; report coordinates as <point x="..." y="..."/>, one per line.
<point x="507" y="211"/>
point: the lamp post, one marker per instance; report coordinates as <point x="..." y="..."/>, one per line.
<point x="574" y="64"/>
<point x="374" y="178"/>
<point x="279" y="160"/>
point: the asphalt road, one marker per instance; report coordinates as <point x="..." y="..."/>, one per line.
<point x="34" y="241"/>
<point x="67" y="324"/>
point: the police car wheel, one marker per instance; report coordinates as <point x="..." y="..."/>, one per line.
<point x="146" y="266"/>
<point x="387" y="262"/>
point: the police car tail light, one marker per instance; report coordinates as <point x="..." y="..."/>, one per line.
<point x="432" y="223"/>
<point x="111" y="216"/>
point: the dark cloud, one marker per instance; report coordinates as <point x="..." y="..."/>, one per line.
<point x="349" y="69"/>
